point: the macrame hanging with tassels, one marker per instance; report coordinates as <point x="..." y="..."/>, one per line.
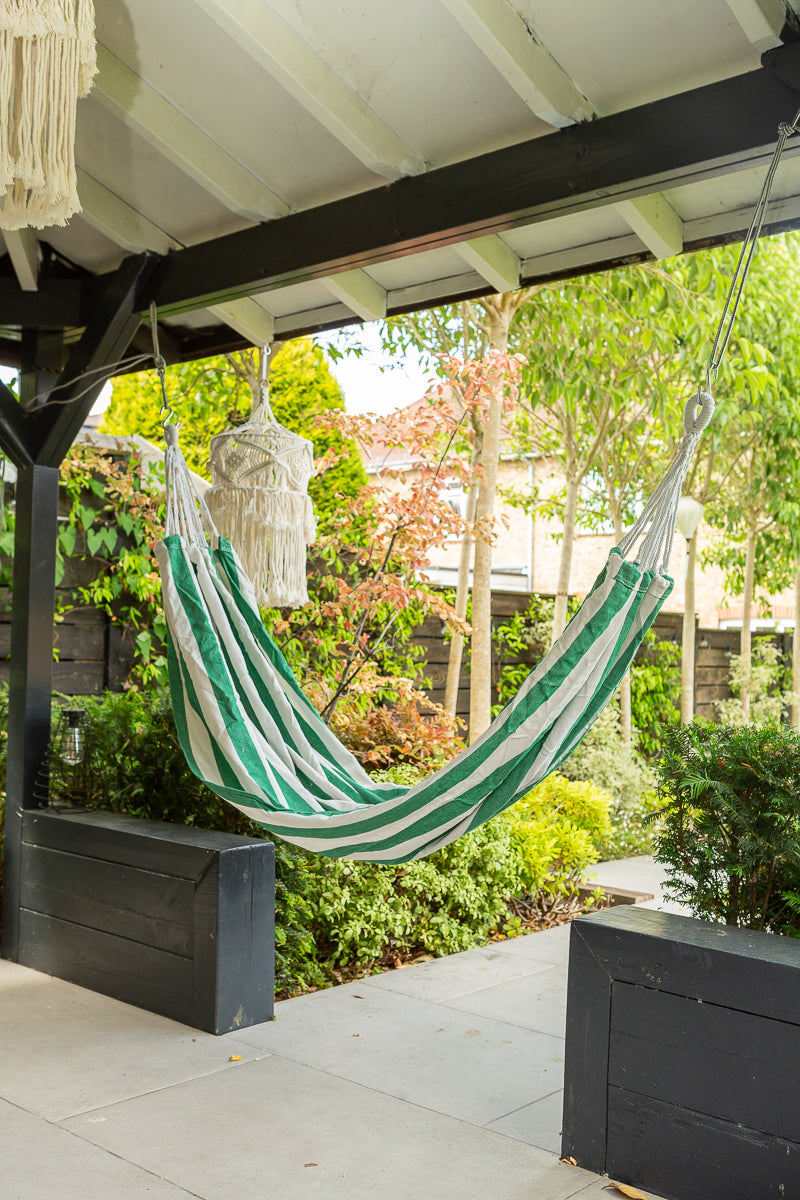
<point x="47" y="61"/>
<point x="259" y="501"/>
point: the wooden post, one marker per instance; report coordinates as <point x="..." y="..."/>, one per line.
<point x="31" y="670"/>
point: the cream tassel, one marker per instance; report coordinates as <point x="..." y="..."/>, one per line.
<point x="260" y="502"/>
<point x="47" y="60"/>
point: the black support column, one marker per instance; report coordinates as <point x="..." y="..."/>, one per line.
<point x="31" y="670"/>
<point x="36" y="434"/>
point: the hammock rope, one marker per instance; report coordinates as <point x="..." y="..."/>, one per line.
<point x="254" y="738"/>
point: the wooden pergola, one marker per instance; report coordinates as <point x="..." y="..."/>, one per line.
<point x="262" y="170"/>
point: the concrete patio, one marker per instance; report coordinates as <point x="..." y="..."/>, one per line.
<point x="440" y="1081"/>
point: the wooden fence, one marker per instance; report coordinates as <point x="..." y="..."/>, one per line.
<point x="713" y="651"/>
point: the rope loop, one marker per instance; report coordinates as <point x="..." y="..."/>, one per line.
<point x="698" y="412"/>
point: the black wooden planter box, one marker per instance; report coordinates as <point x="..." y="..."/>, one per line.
<point x="176" y="920"/>
<point x="683" y="1056"/>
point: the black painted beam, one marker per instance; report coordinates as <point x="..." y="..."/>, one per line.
<point x="700" y="133"/>
<point x="706" y="132"/>
<point x="13" y="428"/>
<point x="105" y="340"/>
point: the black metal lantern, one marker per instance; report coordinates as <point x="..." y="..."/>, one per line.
<point x="69" y="759"/>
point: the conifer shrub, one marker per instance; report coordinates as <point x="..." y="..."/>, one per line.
<point x="730" y="833"/>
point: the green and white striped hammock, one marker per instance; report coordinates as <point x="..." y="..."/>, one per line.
<point x="253" y="737"/>
<point x="249" y="732"/>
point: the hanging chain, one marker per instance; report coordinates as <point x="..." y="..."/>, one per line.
<point x="734" y="296"/>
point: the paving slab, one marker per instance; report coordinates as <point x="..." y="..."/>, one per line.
<point x="443" y="979"/>
<point x="42" y="1162"/>
<point x="545" y="946"/>
<point x="279" y="1129"/>
<point x="65" y="1049"/>
<point x="536" y="1001"/>
<point x="460" y="1064"/>
<point x="539" y="1123"/>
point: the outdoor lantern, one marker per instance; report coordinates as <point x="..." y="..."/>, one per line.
<point x="47" y="61"/>
<point x="690" y="514"/>
<point x="66" y="779"/>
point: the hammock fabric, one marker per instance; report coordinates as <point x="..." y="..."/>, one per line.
<point x="252" y="736"/>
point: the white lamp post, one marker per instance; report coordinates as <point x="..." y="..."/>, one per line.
<point x="690" y="514"/>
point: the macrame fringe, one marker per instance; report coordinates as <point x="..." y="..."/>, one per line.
<point x="47" y="61"/>
<point x="270" y="531"/>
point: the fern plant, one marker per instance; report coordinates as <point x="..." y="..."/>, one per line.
<point x="730" y="837"/>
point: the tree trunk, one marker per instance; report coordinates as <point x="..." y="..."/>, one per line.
<point x="500" y="310"/>
<point x="747" y="609"/>
<point x="688" y="639"/>
<point x="625" y="699"/>
<point x="462" y="597"/>
<point x="796" y="653"/>
<point x="565" y="561"/>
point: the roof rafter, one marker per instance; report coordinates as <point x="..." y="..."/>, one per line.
<point x="508" y="42"/>
<point x="502" y="35"/>
<point x="119" y="221"/>
<point x="247" y="318"/>
<point x="133" y="231"/>
<point x="360" y="292"/>
<point x="279" y="49"/>
<point x="654" y="220"/>
<point x="26" y="255"/>
<point x="761" y="21"/>
<point x="162" y="124"/>
<point x="494" y="260"/>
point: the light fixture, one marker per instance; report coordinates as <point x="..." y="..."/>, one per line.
<point x="689" y="515"/>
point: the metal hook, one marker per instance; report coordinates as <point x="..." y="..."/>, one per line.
<point x="161" y="367"/>
<point x="266" y="350"/>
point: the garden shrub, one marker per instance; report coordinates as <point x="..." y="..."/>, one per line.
<point x="371" y="915"/>
<point x="603" y="758"/>
<point x="768" y="690"/>
<point x="731" y="824"/>
<point x="557" y="829"/>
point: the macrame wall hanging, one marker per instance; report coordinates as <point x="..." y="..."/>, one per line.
<point x="259" y="501"/>
<point x="47" y="61"/>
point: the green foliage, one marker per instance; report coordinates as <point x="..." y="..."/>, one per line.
<point x="655" y="692"/>
<point x="372" y="915"/>
<point x="368" y="914"/>
<point x="633" y="829"/>
<point x="731" y="824"/>
<point x="527" y="635"/>
<point x="115" y="515"/>
<point x="557" y="828"/>
<point x="768" y="687"/>
<point x="603" y="759"/>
